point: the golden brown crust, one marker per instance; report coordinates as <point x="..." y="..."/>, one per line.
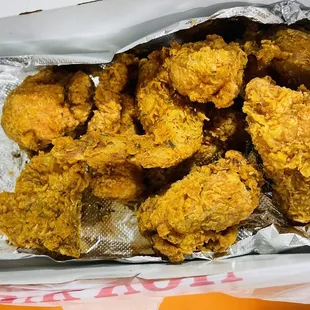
<point x="37" y="112"/>
<point x="278" y="121"/>
<point x="287" y="51"/>
<point x="199" y="70"/>
<point x="44" y="212"/>
<point x="210" y="198"/>
<point x="121" y="182"/>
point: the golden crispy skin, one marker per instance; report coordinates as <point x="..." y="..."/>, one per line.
<point x="173" y="128"/>
<point x="224" y="124"/>
<point x="128" y="115"/>
<point x="157" y="179"/>
<point x="121" y="182"/>
<point x="207" y="71"/>
<point x="278" y="121"/>
<point x="200" y="241"/>
<point x="109" y="112"/>
<point x="45" y="210"/>
<point x="108" y="99"/>
<point x="116" y="114"/>
<point x="224" y="130"/>
<point x="287" y="51"/>
<point x="210" y="198"/>
<point x="80" y="92"/>
<point x="37" y="112"/>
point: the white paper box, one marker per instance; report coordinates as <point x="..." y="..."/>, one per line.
<point x="98" y="30"/>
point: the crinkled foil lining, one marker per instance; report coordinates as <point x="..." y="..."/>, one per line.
<point x="109" y="229"/>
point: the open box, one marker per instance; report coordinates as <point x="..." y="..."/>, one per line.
<point x="93" y="33"/>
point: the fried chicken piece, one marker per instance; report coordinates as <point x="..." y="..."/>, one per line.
<point x="200" y="241"/>
<point x="159" y="178"/>
<point x="211" y="150"/>
<point x="224" y="130"/>
<point x="207" y="71"/>
<point x="37" y="111"/>
<point x="80" y="91"/>
<point x="108" y="99"/>
<point x="109" y="112"/>
<point x="122" y="182"/>
<point x="116" y="114"/>
<point x="287" y="51"/>
<point x="128" y="115"/>
<point x="44" y="212"/>
<point x="225" y="125"/>
<point x="173" y="128"/>
<point x="278" y="120"/>
<point x="210" y="199"/>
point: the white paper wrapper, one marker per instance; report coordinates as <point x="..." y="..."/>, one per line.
<point x="94" y="42"/>
<point x="254" y="236"/>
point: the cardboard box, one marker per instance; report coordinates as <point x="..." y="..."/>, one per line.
<point x="97" y="30"/>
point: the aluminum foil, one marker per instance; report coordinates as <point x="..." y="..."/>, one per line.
<point x="109" y="229"/>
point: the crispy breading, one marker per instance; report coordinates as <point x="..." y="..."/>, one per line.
<point x="159" y="178"/>
<point x="37" y="112"/>
<point x="173" y="129"/>
<point x="224" y="124"/>
<point x="80" y="92"/>
<point x="116" y="114"/>
<point x="278" y="120"/>
<point x="108" y="99"/>
<point x="200" y="70"/>
<point x="192" y="242"/>
<point x="108" y="114"/>
<point x="224" y="130"/>
<point x="171" y="124"/>
<point x="120" y="182"/>
<point x="287" y="51"/>
<point x="44" y="212"/>
<point x="128" y="115"/>
<point x="210" y="198"/>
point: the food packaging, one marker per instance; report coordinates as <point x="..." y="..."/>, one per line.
<point x="266" y="232"/>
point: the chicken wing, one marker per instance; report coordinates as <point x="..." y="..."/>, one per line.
<point x="206" y="202"/>
<point x="44" y="212"/>
<point x="278" y="121"/>
<point x="38" y="111"/>
<point x="200" y="70"/>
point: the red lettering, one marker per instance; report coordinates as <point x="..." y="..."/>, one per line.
<point x="6" y="299"/>
<point x="231" y="278"/>
<point x="28" y="301"/>
<point x="130" y="290"/>
<point x="66" y="295"/>
<point x="150" y="285"/>
<point x="201" y="281"/>
<point x="106" y="292"/>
